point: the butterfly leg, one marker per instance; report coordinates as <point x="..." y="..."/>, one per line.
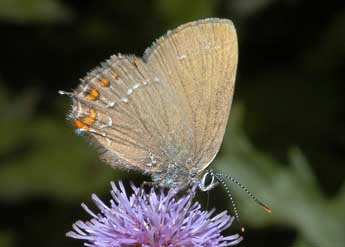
<point x="141" y="190"/>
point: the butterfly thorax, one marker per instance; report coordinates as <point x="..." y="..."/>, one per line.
<point x="176" y="175"/>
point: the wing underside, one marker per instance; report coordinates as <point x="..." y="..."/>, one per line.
<point x="199" y="59"/>
<point x="170" y="106"/>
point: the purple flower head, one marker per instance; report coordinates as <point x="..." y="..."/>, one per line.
<point x="152" y="219"/>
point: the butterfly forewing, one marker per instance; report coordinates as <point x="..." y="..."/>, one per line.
<point x="199" y="60"/>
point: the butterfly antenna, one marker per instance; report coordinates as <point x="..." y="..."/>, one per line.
<point x="266" y="208"/>
<point x="237" y="216"/>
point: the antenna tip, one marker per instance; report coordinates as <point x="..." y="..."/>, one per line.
<point x="242" y="229"/>
<point x="268" y="210"/>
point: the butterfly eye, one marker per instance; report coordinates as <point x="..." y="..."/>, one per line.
<point x="208" y="182"/>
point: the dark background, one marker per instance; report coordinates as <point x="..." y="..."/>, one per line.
<point x="286" y="135"/>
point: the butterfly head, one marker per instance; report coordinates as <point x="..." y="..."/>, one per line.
<point x="177" y="175"/>
<point x="208" y="181"/>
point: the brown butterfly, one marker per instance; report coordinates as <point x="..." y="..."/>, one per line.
<point x="164" y="114"/>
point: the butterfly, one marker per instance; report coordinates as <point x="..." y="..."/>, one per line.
<point x="163" y="114"/>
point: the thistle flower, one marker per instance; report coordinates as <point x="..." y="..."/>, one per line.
<point x="152" y="219"/>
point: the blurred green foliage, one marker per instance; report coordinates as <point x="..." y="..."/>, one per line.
<point x="285" y="141"/>
<point x="28" y="11"/>
<point x="176" y="12"/>
<point x="292" y="191"/>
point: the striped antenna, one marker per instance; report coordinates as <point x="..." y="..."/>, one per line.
<point x="220" y="179"/>
<point x="223" y="176"/>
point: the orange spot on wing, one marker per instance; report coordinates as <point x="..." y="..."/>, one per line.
<point x="104" y="82"/>
<point x="92" y="113"/>
<point x="90" y="119"/>
<point x="77" y="123"/>
<point x="92" y="94"/>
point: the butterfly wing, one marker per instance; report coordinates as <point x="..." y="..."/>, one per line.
<point x="132" y="114"/>
<point x="171" y="107"/>
<point x="199" y="60"/>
